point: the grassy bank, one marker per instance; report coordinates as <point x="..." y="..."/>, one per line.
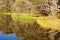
<point x="27" y="27"/>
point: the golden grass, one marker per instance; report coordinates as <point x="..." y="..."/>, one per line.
<point x="49" y="23"/>
<point x="45" y="22"/>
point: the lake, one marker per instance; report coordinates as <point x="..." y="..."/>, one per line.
<point x="8" y="36"/>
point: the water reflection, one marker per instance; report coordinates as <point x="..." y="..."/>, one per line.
<point x="8" y="36"/>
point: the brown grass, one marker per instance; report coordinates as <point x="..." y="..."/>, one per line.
<point x="26" y="30"/>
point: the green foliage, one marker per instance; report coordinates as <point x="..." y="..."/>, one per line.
<point x="23" y="17"/>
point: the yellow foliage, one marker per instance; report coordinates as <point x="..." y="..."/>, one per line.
<point x="49" y="23"/>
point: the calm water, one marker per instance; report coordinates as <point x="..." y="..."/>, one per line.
<point x="8" y="36"/>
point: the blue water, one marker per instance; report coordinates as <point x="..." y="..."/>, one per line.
<point x="8" y="36"/>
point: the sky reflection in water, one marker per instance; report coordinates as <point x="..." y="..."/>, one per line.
<point x="8" y="36"/>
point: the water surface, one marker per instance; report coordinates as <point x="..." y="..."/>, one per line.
<point x="8" y="36"/>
